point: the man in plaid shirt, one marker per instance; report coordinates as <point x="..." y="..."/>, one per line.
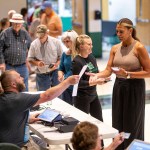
<point x="14" y="43"/>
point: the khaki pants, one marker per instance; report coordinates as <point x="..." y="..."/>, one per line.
<point x="31" y="145"/>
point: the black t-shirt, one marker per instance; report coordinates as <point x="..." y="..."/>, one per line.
<point x="14" y="112"/>
<point x="77" y="65"/>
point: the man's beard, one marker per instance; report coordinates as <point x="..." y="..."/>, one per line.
<point x="20" y="87"/>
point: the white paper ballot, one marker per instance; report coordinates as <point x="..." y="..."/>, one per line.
<point x="82" y="71"/>
<point x="75" y="87"/>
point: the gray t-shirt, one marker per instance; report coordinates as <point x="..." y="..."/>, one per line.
<point x="14" y="113"/>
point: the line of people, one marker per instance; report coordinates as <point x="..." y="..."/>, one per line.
<point x="16" y="40"/>
<point x="53" y="67"/>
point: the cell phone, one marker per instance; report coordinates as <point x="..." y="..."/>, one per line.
<point x="51" y="66"/>
<point x="115" y="68"/>
<point x="125" y="135"/>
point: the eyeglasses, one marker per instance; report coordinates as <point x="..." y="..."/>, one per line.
<point x="17" y="24"/>
<point x="67" y="41"/>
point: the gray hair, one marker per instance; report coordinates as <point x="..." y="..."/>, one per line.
<point x="72" y="35"/>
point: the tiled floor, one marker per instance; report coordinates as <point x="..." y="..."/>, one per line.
<point x="104" y="91"/>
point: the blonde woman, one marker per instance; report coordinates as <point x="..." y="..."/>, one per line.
<point x="65" y="68"/>
<point x="87" y="98"/>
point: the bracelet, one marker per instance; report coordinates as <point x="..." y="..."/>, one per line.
<point x="128" y="76"/>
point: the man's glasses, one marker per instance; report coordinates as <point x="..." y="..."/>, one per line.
<point x="17" y="24"/>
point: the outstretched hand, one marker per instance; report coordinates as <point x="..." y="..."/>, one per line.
<point x="93" y="76"/>
<point x="120" y="72"/>
<point x="74" y="79"/>
<point x="94" y="80"/>
<point x="118" y="139"/>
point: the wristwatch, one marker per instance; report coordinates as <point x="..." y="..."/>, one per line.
<point x="128" y="75"/>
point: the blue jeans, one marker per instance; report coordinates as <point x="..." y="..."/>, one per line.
<point x="46" y="80"/>
<point x="22" y="70"/>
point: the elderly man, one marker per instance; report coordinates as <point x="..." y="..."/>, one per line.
<point x="14" y="43"/>
<point x="15" y="106"/>
<point x="51" y="19"/>
<point x="45" y="53"/>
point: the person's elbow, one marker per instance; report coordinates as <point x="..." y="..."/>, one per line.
<point x="147" y="72"/>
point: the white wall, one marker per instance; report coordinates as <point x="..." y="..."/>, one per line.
<point x="122" y="9"/>
<point x="6" y="5"/>
<point x="94" y="25"/>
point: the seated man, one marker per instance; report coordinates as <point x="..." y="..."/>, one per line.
<point x="15" y="106"/>
<point x="86" y="137"/>
<point x="38" y="142"/>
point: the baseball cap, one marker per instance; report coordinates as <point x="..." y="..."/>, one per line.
<point x="45" y="5"/>
<point x="41" y="30"/>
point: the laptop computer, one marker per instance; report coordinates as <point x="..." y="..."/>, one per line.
<point x="139" y="145"/>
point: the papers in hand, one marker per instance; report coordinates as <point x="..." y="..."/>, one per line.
<point x="115" y="68"/>
<point x="44" y="69"/>
<point x="75" y="87"/>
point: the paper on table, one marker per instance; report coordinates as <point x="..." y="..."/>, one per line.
<point x="75" y="87"/>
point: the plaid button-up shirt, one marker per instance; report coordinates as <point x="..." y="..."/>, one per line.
<point x="14" y="46"/>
